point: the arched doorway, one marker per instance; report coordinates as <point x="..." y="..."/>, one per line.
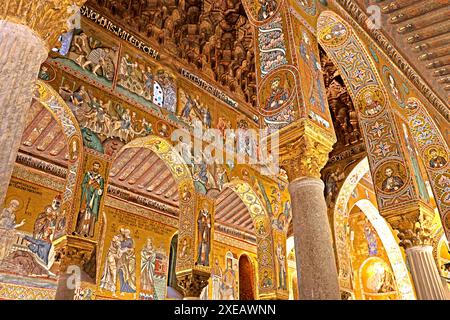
<point x="246" y="279"/>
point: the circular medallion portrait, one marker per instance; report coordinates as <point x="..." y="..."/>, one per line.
<point x="446" y="221"/>
<point x="412" y="105"/>
<point x="276" y="91"/>
<point x="261" y="227"/>
<point x="334" y="34"/>
<point x="308" y="6"/>
<point x="442" y="181"/>
<point x="436" y="157"/>
<point x="445" y="198"/>
<point x="391" y="177"/>
<point x="186" y="191"/>
<point x="370" y="101"/>
<point x="46" y="72"/>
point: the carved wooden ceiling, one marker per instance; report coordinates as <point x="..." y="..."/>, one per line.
<point x="213" y="37"/>
<point x="231" y="211"/>
<point x="142" y="172"/>
<point x="420" y="30"/>
<point x="43" y="137"/>
<point x="137" y="171"/>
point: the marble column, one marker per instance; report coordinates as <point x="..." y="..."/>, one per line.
<point x="28" y="29"/>
<point x="414" y="224"/>
<point x="316" y="267"/>
<point x="21" y="54"/>
<point x="425" y="274"/>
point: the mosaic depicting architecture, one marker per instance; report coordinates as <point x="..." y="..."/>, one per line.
<point x="224" y="150"/>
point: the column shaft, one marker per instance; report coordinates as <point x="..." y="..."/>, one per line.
<point x="425" y="274"/>
<point x="21" y="54"/>
<point x="316" y="266"/>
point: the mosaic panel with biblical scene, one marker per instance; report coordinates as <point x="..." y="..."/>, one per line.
<point x="135" y="257"/>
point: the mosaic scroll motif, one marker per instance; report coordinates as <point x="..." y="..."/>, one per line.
<point x="272" y="46"/>
<point x="387" y="160"/>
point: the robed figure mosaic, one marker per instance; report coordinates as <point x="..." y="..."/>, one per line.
<point x="92" y="190"/>
<point x="148" y="262"/>
<point x="120" y="264"/>
<point x="8" y="226"/>
<point x="204" y="237"/>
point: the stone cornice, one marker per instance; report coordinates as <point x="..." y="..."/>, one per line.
<point x="123" y="194"/>
<point x="41" y="165"/>
<point x="234" y="232"/>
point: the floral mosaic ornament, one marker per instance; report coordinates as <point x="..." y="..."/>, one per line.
<point x="435" y="154"/>
<point x="375" y="116"/>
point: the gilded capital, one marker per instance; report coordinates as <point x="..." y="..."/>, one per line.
<point x="304" y="150"/>
<point x="192" y="282"/>
<point x="72" y="250"/>
<point x="414" y="225"/>
<point x="46" y="18"/>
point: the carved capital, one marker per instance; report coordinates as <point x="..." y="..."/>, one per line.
<point x="304" y="150"/>
<point x="192" y="282"/>
<point x="414" y="225"/>
<point x="47" y="18"/>
<point x="72" y="250"/>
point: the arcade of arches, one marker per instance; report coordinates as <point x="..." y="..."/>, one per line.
<point x="112" y="111"/>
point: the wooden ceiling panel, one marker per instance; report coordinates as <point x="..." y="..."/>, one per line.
<point x="232" y="212"/>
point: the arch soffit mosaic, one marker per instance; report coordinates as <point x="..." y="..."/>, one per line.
<point x="263" y="228"/>
<point x="52" y="101"/>
<point x="426" y="135"/>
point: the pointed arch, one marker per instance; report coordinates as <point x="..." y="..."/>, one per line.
<point x="404" y="284"/>
<point x="187" y="195"/>
<point x="166" y="152"/>
<point x="264" y="236"/>
<point x="340" y="218"/>
<point x="375" y="115"/>
<point x="53" y="102"/>
<point x="361" y="77"/>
